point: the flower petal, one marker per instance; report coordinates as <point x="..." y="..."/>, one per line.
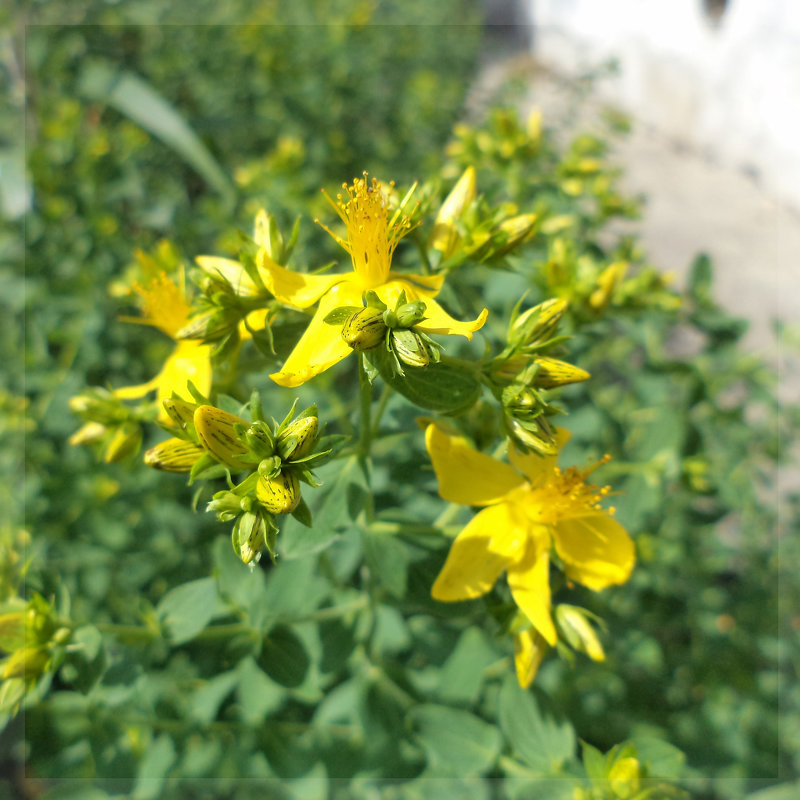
<point x="189" y="362"/>
<point x="465" y="475"/>
<point x="529" y="650"/>
<point x="422" y="285"/>
<point x="529" y="581"/>
<point x="296" y="289"/>
<point x="135" y="392"/>
<point x="232" y="271"/>
<point x="537" y="468"/>
<point x="494" y="538"/>
<point x="596" y="550"/>
<point x="321" y="346"/>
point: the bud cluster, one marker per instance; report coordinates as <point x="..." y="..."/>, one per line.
<point x="108" y="423"/>
<point x="209" y="441"/>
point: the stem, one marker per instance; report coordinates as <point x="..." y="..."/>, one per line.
<point x="365" y="436"/>
<point x="382" y="402"/>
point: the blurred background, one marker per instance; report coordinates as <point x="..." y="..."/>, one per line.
<point x="125" y="124"/>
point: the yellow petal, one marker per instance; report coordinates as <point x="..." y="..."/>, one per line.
<point x="465" y="475"/>
<point x="537" y="468"/>
<point x="295" y="288"/>
<point x="437" y="320"/>
<point x="257" y="320"/>
<point x="321" y="346"/>
<point x="231" y="271"/>
<point x="529" y="581"/>
<point x="596" y="550"/>
<point x="135" y="392"/>
<point x="190" y="362"/>
<point x="493" y="539"/>
<point x="529" y="650"/>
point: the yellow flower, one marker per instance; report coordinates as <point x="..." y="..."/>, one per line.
<point x="373" y="233"/>
<point x="531" y="508"/>
<point x="166" y="308"/>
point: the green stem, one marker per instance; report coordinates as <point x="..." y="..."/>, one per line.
<point x="382" y="402"/>
<point x="365" y="436"/>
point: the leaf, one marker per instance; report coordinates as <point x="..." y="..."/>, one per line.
<point x="388" y="558"/>
<point x="140" y="102"/>
<point x="440" y="386"/>
<point x="785" y="791"/>
<point x="456" y="743"/>
<point x="462" y="673"/>
<point x="661" y="759"/>
<point x="206" y="701"/>
<point x="187" y="609"/>
<point x="153" y="768"/>
<point x="544" y="739"/>
<point x="283" y="657"/>
<point x="257" y="695"/>
<point x="701" y="276"/>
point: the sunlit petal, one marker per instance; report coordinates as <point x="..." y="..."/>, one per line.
<point x="494" y="539"/>
<point x="595" y="548"/>
<point x="321" y="346"/>
<point x="529" y="650"/>
<point x="189" y="362"/>
<point x="529" y="581"/>
<point x="465" y="475"/>
<point x="296" y="289"/>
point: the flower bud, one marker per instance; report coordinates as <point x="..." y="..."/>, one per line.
<point x="553" y="372"/>
<point x="28" y="663"/>
<point x="364" y="329"/>
<point x="249" y="536"/>
<point x="125" y="442"/>
<point x="515" y="231"/>
<point x="578" y="632"/>
<point x="410" y="349"/>
<point x="537" y="324"/>
<point x="297" y="439"/>
<point x="208" y="325"/>
<point x="531" y="436"/>
<point x="522" y="402"/>
<point x="444" y="236"/>
<point x="98" y="405"/>
<point x="88" y="433"/>
<point x="607" y="283"/>
<point x="181" y="412"/>
<point x="409" y="314"/>
<point x="173" y="455"/>
<point x="217" y="436"/>
<point x="279" y="495"/>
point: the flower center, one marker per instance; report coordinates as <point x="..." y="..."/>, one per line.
<point x="371" y="235"/>
<point x="165" y="305"/>
<point x="565" y="493"/>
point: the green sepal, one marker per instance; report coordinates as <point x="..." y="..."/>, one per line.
<point x="443" y="387"/>
<point x="340" y="315"/>
<point x="206" y="467"/>
<point x="373" y="301"/>
<point x="303" y="514"/>
<point x="251" y="268"/>
<point x="263" y="339"/>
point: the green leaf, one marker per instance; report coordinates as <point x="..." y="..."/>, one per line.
<point x="140" y="102"/>
<point x="283" y="657"/>
<point x="158" y="758"/>
<point x="462" y="673"/>
<point x="701" y="276"/>
<point x="456" y="743"/>
<point x="187" y="609"/>
<point x="388" y="558"/>
<point x="661" y="759"/>
<point x="206" y="700"/>
<point x="593" y="762"/>
<point x="440" y="386"/>
<point x="257" y="695"/>
<point x="785" y="791"/>
<point x="544" y="739"/>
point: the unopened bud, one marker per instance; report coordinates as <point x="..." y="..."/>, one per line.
<point x="98" y="405"/>
<point x="215" y="430"/>
<point x="444" y="236"/>
<point x="279" y="495"/>
<point x="298" y="437"/>
<point x="515" y="231"/>
<point x="537" y="324"/>
<point x="88" y="433"/>
<point x="553" y="372"/>
<point x="28" y="663"/>
<point x="410" y="349"/>
<point x="268" y="236"/>
<point x="408" y="315"/>
<point x="181" y="412"/>
<point x="364" y="329"/>
<point x="173" y="455"/>
<point x="125" y="442"/>
<point x="531" y="436"/>
<point x="521" y="402"/>
<point x="607" y="283"/>
<point x="624" y="777"/>
<point x="211" y="324"/>
<point x="578" y="632"/>
<point x="249" y="536"/>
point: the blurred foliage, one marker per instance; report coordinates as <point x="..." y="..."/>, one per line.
<point x="184" y="672"/>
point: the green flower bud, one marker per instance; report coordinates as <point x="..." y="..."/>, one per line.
<point x="226" y="505"/>
<point x="209" y="325"/>
<point x="444" y="236"/>
<point x="249" y="536"/>
<point x="215" y="430"/>
<point x="297" y="439"/>
<point x="181" y="412"/>
<point x="98" y="405"/>
<point x="515" y="231"/>
<point x="364" y="329"/>
<point x="125" y="442"/>
<point x="279" y="495"/>
<point x="173" y="455"/>
<point x="537" y="324"/>
<point x="576" y="629"/>
<point x="410" y="349"/>
<point x="409" y="314"/>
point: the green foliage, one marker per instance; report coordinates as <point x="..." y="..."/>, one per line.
<point x="175" y="670"/>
